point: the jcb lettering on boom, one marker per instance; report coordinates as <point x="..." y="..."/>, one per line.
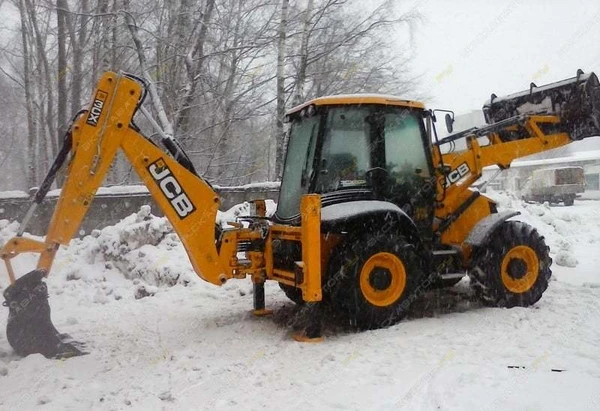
<point x="96" y="109"/>
<point x="456" y="174"/>
<point x="168" y="184"/>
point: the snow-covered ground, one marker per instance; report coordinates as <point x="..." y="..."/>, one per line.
<point x="192" y="345"/>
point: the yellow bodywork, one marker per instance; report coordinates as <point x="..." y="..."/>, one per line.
<point x="358" y="99"/>
<point x="476" y="157"/>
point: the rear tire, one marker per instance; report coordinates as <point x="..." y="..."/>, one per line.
<point x="513" y="268"/>
<point x="373" y="279"/>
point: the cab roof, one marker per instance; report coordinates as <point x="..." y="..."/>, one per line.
<point x="356" y="99"/>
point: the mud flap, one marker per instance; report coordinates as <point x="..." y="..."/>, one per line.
<point x="29" y="329"/>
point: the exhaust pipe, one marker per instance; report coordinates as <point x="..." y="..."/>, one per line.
<point x="29" y="328"/>
<point x="575" y="100"/>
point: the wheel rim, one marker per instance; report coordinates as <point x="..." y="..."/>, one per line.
<point x="382" y="279"/>
<point x="520" y="269"/>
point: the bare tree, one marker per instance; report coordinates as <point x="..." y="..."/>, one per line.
<point x="221" y="73"/>
<point x="279" y="126"/>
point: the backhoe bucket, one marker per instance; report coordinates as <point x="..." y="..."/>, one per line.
<point x="575" y="100"/>
<point x="29" y="329"/>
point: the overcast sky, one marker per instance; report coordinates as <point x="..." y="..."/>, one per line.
<point x="468" y="49"/>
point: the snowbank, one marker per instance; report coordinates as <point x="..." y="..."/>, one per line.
<point x="140" y="247"/>
<point x="191" y="345"/>
<point x="565" y="228"/>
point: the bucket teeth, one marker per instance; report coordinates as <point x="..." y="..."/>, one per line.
<point x="29" y="329"/>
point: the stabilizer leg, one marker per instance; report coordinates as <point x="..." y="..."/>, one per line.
<point x="259" y="299"/>
<point x="313" y="330"/>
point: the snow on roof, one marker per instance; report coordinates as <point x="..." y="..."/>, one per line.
<point x="132" y="189"/>
<point x="141" y="189"/>
<point x="579" y="156"/>
<point x="593" y="170"/>
<point x="13" y="194"/>
<point x="266" y="185"/>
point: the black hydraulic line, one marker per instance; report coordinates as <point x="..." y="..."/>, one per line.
<point x="50" y="176"/>
<point x="172" y="145"/>
<point x="459" y="211"/>
<point x="56" y="165"/>
<point x="483" y="131"/>
<point x="179" y="154"/>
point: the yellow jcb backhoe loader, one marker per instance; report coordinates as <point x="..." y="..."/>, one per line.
<point x="373" y="207"/>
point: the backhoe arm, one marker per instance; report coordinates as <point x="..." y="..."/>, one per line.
<point x="186" y="200"/>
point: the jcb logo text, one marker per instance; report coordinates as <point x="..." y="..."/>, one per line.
<point x="171" y="188"/>
<point x="456" y="174"/>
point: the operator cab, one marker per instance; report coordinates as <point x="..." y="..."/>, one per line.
<point x="359" y="147"/>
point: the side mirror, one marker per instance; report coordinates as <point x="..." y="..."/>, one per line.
<point x="449" y="118"/>
<point x="449" y="122"/>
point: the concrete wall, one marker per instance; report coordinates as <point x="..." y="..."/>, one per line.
<point x="108" y="209"/>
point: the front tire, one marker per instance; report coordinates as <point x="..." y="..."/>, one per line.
<point x="373" y="280"/>
<point x="513" y="268"/>
<point x="569" y="201"/>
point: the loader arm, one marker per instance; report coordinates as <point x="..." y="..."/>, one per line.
<point x="186" y="200"/>
<point x="466" y="166"/>
<point x="529" y="122"/>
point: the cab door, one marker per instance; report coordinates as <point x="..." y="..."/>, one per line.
<point x="405" y="153"/>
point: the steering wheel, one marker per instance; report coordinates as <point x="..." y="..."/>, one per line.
<point x="372" y="169"/>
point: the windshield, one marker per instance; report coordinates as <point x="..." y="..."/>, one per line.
<point x="356" y="141"/>
<point x="360" y="139"/>
<point x="298" y="165"/>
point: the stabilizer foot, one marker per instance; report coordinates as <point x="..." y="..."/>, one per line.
<point x="262" y="312"/>
<point x="302" y="337"/>
<point x="312" y="331"/>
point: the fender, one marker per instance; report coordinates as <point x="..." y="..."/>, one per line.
<point x="482" y="231"/>
<point x="368" y="215"/>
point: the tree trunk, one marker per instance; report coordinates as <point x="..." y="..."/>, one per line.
<point x="78" y="39"/>
<point x="41" y="52"/>
<point x="279" y="127"/>
<point x="32" y="137"/>
<point x="301" y="78"/>
<point x="152" y="90"/>
<point x="193" y="71"/>
<point x="63" y="69"/>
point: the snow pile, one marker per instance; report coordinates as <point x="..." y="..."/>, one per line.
<point x="7" y="230"/>
<point x="242" y="210"/>
<point x="141" y="247"/>
<point x="563" y="227"/>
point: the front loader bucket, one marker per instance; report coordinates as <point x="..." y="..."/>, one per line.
<point x="29" y="329"/>
<point x="575" y="100"/>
